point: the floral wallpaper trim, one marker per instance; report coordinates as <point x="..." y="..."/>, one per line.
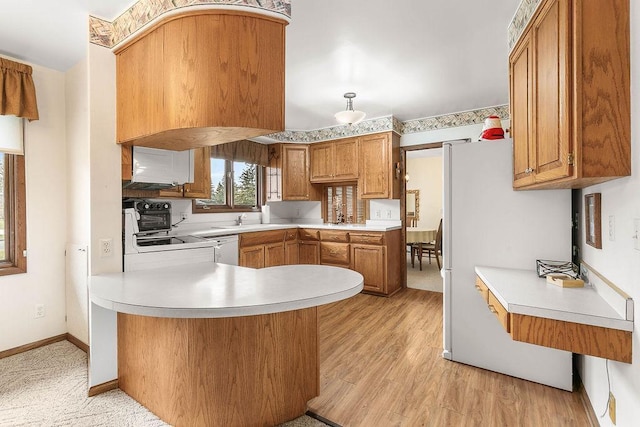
<point x="521" y="19"/>
<point x="109" y="34"/>
<point x="391" y="123"/>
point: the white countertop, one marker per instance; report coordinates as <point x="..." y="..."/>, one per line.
<point x="212" y="231"/>
<point x="219" y="290"/>
<point x="523" y="292"/>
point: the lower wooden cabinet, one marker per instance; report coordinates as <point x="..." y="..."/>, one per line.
<point x="309" y="252"/>
<point x="375" y="255"/>
<point x="371" y="262"/>
<point x="262" y="249"/>
<point x="252" y="257"/>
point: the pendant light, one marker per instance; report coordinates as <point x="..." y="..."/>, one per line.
<point x="349" y="116"/>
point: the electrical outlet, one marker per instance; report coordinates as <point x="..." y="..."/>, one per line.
<point x="106" y="247"/>
<point x="612" y="408"/>
<point x="184" y="215"/>
<point x="388" y="213"/>
<point x="378" y="213"/>
<point x="39" y="312"/>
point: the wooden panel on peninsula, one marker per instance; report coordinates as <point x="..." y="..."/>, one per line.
<point x="202" y="79"/>
<point x="196" y="371"/>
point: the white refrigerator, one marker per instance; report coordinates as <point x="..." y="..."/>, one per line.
<point x="487" y="223"/>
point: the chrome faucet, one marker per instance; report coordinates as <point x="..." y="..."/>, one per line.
<point x="240" y="218"/>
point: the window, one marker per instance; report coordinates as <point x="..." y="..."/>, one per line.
<point x="235" y="186"/>
<point x="13" y="240"/>
<point x="342" y="205"/>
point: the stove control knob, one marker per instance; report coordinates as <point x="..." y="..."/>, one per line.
<point x="146" y="205"/>
<point x="165" y="206"/>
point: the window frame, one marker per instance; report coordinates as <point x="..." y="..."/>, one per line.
<point x="229" y="206"/>
<point x="15" y="208"/>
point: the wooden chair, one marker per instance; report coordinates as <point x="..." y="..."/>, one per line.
<point x="434" y="248"/>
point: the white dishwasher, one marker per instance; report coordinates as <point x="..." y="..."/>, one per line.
<point x="226" y="249"/>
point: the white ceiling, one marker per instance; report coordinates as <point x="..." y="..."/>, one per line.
<point x="408" y="58"/>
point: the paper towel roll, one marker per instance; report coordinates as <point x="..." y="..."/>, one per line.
<point x="266" y="214"/>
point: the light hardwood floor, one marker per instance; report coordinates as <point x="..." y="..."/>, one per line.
<point x="381" y="365"/>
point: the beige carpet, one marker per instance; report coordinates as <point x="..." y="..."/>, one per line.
<point x="48" y="387"/>
<point x="428" y="279"/>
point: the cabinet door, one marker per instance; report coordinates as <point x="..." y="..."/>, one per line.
<point x="201" y="186"/>
<point x="346" y="159"/>
<point x="309" y="252"/>
<point x="291" y="252"/>
<point x="252" y="257"/>
<point x="375" y="166"/>
<point x="139" y="87"/>
<point x="274" y="254"/>
<point x="334" y="253"/>
<point x="521" y="88"/>
<point x="295" y="172"/>
<point x="371" y="262"/>
<point x="551" y="104"/>
<point x="322" y="162"/>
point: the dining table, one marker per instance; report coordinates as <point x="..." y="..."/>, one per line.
<point x="420" y="235"/>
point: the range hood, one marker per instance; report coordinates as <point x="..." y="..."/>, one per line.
<point x="156" y="169"/>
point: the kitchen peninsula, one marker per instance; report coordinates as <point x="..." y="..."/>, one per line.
<point x="214" y="344"/>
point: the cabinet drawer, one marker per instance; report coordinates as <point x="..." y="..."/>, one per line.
<point x="334" y="253"/>
<point x="291" y="234"/>
<point x="334" y="236"/>
<point x="308" y="234"/>
<point x="483" y="289"/>
<point x="501" y="313"/>
<point x="261" y="237"/>
<point x="368" y="239"/>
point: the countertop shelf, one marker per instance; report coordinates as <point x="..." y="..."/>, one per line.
<point x="523" y="292"/>
<point x="579" y="320"/>
<point x="211" y="290"/>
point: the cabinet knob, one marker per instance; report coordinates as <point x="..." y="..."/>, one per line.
<point x="493" y="309"/>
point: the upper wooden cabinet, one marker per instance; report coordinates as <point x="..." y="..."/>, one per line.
<point x="295" y="173"/>
<point x="379" y="155"/>
<point x="570" y="95"/>
<point x="287" y="175"/>
<point x="204" y="79"/>
<point x="334" y="161"/>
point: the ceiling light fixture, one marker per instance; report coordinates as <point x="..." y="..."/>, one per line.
<point x="350" y="116"/>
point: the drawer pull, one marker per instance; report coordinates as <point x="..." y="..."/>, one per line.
<point x="479" y="288"/>
<point x="493" y="309"/>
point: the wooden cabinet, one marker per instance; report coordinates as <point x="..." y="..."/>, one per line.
<point x="199" y="189"/>
<point x="334" y="161"/>
<point x="379" y="155"/>
<point x="371" y="262"/>
<point x="291" y="255"/>
<point x="262" y="249"/>
<point x="201" y="186"/>
<point x="252" y="257"/>
<point x="274" y="254"/>
<point x="332" y="253"/>
<point x="197" y="80"/>
<point x="295" y="173"/>
<point x="308" y="246"/>
<point x="570" y="96"/>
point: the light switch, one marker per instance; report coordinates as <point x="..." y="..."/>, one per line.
<point x="612" y="228"/>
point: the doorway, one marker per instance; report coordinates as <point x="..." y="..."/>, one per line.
<point x="421" y="210"/>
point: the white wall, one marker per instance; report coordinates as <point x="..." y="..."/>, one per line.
<point x="105" y="162"/>
<point x="425" y="174"/>
<point x="619" y="262"/>
<point x="78" y="191"/>
<point x="46" y="224"/>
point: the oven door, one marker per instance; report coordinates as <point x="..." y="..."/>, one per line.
<point x="154" y="221"/>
